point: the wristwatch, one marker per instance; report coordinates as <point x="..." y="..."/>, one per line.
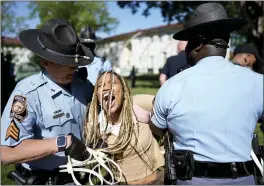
<point x="61" y="142"/>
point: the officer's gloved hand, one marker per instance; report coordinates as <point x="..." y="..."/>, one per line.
<point x="77" y="149"/>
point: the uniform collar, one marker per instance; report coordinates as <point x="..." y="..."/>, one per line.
<point x="95" y="61"/>
<point x="211" y="60"/>
<point x="53" y="87"/>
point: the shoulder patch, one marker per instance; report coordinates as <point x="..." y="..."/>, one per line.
<point x="19" y="108"/>
<point x="12" y="131"/>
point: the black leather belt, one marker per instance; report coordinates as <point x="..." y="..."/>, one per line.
<point x="223" y="170"/>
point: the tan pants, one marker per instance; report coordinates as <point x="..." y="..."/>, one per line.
<point x="158" y="181"/>
<point x="160" y="178"/>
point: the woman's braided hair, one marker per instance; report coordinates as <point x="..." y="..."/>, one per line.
<point x="93" y="135"/>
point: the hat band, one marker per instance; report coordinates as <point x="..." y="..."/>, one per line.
<point x="88" y="40"/>
<point x="76" y="56"/>
<point x="216" y="44"/>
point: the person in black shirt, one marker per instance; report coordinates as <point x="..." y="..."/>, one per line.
<point x="174" y="63"/>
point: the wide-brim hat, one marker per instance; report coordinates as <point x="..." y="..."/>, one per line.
<point x="88" y="35"/>
<point x="209" y="17"/>
<point x="58" y="42"/>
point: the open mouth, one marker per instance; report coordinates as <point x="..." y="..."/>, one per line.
<point x="107" y="100"/>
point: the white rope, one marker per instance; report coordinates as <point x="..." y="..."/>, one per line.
<point x="96" y="157"/>
<point x="257" y="162"/>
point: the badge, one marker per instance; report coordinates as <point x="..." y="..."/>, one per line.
<point x="12" y="131"/>
<point x="19" y="108"/>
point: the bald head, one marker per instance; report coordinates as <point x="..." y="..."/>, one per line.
<point x="181" y="46"/>
<point x="244" y="59"/>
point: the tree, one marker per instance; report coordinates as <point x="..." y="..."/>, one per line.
<point x="28" y="69"/>
<point x="252" y="11"/>
<point x="11" y="24"/>
<point x="81" y="14"/>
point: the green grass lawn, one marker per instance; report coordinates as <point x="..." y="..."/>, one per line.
<point x="142" y="87"/>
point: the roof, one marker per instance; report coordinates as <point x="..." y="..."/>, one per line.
<point x="165" y="29"/>
<point x="10" y="41"/>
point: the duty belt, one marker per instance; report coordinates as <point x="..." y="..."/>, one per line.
<point x="223" y="170"/>
<point x="43" y="177"/>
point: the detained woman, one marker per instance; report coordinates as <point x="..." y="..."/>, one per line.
<point x="110" y="118"/>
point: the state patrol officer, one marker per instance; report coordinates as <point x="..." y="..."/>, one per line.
<point x="99" y="65"/>
<point x="247" y="55"/>
<point x="45" y="112"/>
<point x="215" y="105"/>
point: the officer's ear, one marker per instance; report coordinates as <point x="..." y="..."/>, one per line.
<point x="44" y="63"/>
<point x="199" y="47"/>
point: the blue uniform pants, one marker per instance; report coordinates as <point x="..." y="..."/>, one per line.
<point x="247" y="180"/>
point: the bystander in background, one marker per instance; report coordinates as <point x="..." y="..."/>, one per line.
<point x="247" y="55"/>
<point x="174" y="63"/>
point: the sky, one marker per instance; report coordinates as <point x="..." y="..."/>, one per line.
<point x="128" y="22"/>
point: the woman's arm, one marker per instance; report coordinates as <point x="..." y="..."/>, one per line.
<point x="141" y="114"/>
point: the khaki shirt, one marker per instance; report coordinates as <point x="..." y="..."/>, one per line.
<point x="132" y="166"/>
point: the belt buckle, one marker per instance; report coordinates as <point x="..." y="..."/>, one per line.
<point x="234" y="170"/>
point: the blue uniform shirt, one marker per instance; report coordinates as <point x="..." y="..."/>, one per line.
<point x="211" y="109"/>
<point x="38" y="108"/>
<point x="97" y="67"/>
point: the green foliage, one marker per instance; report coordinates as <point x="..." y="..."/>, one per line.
<point x="5" y="169"/>
<point x="80" y="13"/>
<point x="26" y="70"/>
<point x="11" y="24"/>
<point x="170" y="10"/>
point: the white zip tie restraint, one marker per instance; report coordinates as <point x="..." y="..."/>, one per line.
<point x="98" y="157"/>
<point x="259" y="165"/>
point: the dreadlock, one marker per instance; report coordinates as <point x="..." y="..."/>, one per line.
<point x="92" y="133"/>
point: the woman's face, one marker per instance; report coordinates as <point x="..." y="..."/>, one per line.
<point x="104" y="90"/>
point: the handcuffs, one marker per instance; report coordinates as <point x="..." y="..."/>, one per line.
<point x="96" y="157"/>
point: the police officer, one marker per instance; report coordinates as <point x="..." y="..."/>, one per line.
<point x="99" y="65"/>
<point x="215" y="105"/>
<point x="44" y="115"/>
<point x="247" y="55"/>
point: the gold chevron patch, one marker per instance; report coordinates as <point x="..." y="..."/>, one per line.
<point x="12" y="131"/>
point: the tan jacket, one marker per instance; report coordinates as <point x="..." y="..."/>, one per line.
<point x="144" y="100"/>
<point x="132" y="166"/>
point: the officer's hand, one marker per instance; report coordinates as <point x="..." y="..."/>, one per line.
<point x="76" y="149"/>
